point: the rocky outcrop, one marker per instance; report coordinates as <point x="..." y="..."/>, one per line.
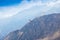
<point x="43" y="28"/>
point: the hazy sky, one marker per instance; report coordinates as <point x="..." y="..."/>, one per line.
<point x="9" y="8"/>
<point x="12" y="11"/>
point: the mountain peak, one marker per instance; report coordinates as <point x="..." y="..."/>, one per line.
<point x="42" y="28"/>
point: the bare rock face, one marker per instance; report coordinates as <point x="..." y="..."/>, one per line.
<point x="43" y="28"/>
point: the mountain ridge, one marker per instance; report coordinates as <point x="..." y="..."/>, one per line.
<point x="37" y="29"/>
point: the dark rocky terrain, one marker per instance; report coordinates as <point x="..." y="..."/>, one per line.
<point x="46" y="27"/>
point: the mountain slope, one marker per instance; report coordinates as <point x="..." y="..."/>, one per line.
<point x="43" y="28"/>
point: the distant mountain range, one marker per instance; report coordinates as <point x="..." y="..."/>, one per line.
<point x="46" y="27"/>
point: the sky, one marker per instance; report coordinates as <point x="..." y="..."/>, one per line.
<point x="9" y="2"/>
<point x="9" y="8"/>
<point x="12" y="12"/>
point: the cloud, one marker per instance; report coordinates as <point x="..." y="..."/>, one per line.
<point x="51" y="7"/>
<point x="10" y="11"/>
